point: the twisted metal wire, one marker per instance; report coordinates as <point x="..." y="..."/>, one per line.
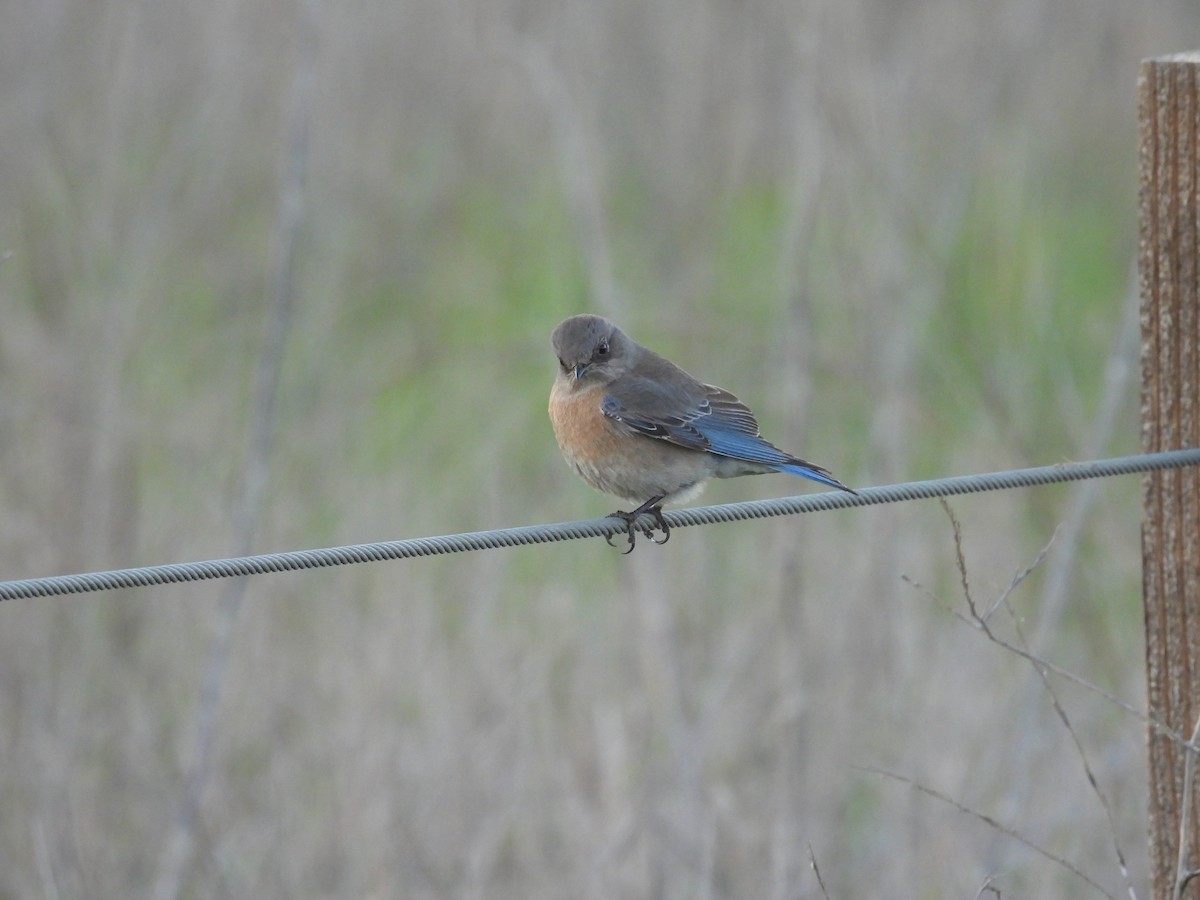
<point x="608" y="527"/>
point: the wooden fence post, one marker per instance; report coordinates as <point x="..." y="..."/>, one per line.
<point x="1169" y="281"/>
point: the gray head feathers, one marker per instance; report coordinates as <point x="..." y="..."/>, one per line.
<point x="592" y="346"/>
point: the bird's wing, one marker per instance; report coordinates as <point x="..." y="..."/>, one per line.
<point x="690" y="414"/>
<point x="682" y="411"/>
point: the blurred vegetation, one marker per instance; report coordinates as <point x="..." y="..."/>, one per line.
<point x="903" y="232"/>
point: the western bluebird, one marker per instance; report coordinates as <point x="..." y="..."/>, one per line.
<point x="634" y="424"/>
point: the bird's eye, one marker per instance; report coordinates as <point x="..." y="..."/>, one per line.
<point x="562" y="365"/>
<point x="602" y="349"/>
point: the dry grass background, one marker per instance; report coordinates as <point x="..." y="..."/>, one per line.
<point x="903" y="231"/>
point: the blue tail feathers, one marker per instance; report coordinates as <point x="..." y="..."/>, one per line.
<point x="753" y="448"/>
<point x="814" y="474"/>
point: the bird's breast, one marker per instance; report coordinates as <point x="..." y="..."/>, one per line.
<point x="584" y="433"/>
<point x="614" y="459"/>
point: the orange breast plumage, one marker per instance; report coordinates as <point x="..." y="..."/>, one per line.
<point x="582" y="430"/>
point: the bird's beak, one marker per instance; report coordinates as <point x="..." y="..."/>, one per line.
<point x="580" y="369"/>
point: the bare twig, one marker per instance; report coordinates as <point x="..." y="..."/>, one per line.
<point x="1042" y="667"/>
<point x="988" y="820"/>
<point x="958" y="555"/>
<point x="1121" y="364"/>
<point x="812" y="861"/>
<point x="1183" y="874"/>
<point x="988" y="888"/>
<point x="180" y="839"/>
<point x="1051" y="667"/>
<point x="980" y="624"/>
<point x="1062" y="715"/>
<point x="1018" y="579"/>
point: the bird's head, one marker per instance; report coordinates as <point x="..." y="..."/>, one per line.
<point x="591" y="348"/>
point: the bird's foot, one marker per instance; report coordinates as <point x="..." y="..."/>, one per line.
<point x="630" y="519"/>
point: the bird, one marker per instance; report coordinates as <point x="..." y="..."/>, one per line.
<point x="633" y="424"/>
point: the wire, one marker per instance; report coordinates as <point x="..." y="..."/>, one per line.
<point x="607" y="527"/>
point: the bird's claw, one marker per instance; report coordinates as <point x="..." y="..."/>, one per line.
<point x="631" y="518"/>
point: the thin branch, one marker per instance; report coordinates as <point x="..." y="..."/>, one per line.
<point x="1039" y="666"/>
<point x="1182" y="874"/>
<point x="1042" y="667"/>
<point x="180" y="840"/>
<point x="988" y="820"/>
<point x="988" y="888"/>
<point x="1062" y="715"/>
<point x="812" y="861"/>
<point x="958" y="554"/>
<point x="1120" y="366"/>
<point x="1051" y="667"/>
<point x="1002" y="600"/>
<point x="979" y="624"/>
